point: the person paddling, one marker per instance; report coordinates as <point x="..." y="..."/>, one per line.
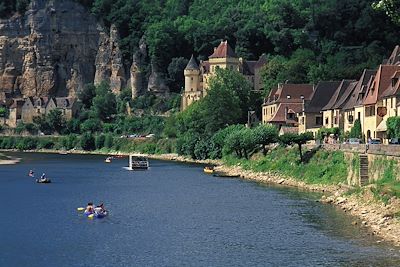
<point x="31" y="174"/>
<point x="89" y="208"/>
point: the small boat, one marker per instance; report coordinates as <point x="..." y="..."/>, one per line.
<point x="97" y="215"/>
<point x="108" y="160"/>
<point x="225" y="175"/>
<point x="209" y="169"/>
<point x="43" y="181"/>
<point x="63" y="153"/>
<point x="138" y="163"/>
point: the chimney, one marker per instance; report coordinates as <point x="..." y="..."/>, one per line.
<point x="286" y="113"/>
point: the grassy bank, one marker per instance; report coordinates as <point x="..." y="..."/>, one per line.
<point x="92" y="143"/>
<point x="322" y="167"/>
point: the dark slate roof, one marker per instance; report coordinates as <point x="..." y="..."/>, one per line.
<point x="357" y="96"/>
<point x="346" y="95"/>
<point x="261" y="62"/>
<point x="248" y="67"/>
<point x="192" y="64"/>
<point x="322" y="94"/>
<point x="337" y="95"/>
<point x="223" y="51"/>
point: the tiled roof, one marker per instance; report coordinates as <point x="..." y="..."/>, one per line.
<point x="279" y="115"/>
<point x="357" y="96"/>
<point x="322" y="94"/>
<point x="287" y="129"/>
<point x="380" y="84"/>
<point x="64" y="102"/>
<point x="337" y="95"/>
<point x="351" y="84"/>
<point x="394" y="58"/>
<point x="290" y="93"/>
<point x="223" y="51"/>
<point x="393" y="88"/>
<point x="17" y="103"/>
<point x="192" y="64"/>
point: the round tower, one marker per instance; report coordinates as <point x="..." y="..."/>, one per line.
<point x="192" y="83"/>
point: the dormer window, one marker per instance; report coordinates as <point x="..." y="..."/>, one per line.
<point x="302" y="97"/>
<point x="288" y="96"/>
<point x="394" y="81"/>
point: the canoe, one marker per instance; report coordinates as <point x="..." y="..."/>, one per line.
<point x="97" y="215"/>
<point x="40" y="181"/>
<point x="208" y="170"/>
<point x="225" y="175"/>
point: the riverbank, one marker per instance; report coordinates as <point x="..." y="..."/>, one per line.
<point x="380" y="218"/>
<point x="6" y="160"/>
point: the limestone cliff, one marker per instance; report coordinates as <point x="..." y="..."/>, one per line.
<point x="57" y="47"/>
<point x="109" y="63"/>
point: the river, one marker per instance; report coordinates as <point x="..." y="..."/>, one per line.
<point x="171" y="215"/>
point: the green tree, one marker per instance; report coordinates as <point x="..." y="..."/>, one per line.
<point x="104" y="103"/>
<point x="393" y="127"/>
<point x="86" y="95"/>
<point x="266" y="135"/>
<point x="87" y="142"/>
<point x="356" y="131"/>
<point x="56" y="120"/>
<point x="298" y="139"/>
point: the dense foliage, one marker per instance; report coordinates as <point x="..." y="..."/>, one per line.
<point x="305" y="40"/>
<point x="393" y="127"/>
<point x="8" y="7"/>
<point x="336" y="38"/>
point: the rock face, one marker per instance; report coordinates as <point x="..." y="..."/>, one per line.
<point x="137" y="76"/>
<point x="57" y="47"/>
<point x="109" y="62"/>
<point x="48" y="51"/>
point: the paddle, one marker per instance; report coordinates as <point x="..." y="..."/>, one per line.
<point x="91" y="216"/>
<point x="80" y="209"/>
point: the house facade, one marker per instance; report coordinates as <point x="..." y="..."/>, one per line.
<point x="284" y="103"/>
<point x="311" y="117"/>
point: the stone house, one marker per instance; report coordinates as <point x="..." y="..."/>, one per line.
<point x="373" y="104"/>
<point x="14" y="112"/>
<point x="332" y="116"/>
<point x="197" y="76"/>
<point x="353" y="109"/>
<point x="310" y="117"/>
<point x="284" y="103"/>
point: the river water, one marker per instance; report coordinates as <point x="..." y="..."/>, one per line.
<point x="170" y="215"/>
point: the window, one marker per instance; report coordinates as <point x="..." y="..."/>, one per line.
<point x="191" y="78"/>
<point x="318" y="120"/>
<point x="326" y="121"/>
<point x="350" y="118"/>
<point x="302" y="120"/>
<point x="288" y="96"/>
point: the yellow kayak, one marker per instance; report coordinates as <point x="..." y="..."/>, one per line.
<point x="209" y="170"/>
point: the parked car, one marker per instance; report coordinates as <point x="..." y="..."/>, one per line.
<point x="354" y="141"/>
<point x="394" y="141"/>
<point x="375" y="141"/>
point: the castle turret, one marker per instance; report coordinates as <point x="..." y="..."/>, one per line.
<point x="192" y="83"/>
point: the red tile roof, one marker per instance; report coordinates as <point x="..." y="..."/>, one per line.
<point x="285" y="108"/>
<point x="380" y="84"/>
<point x="223" y="51"/>
<point x="394" y="58"/>
<point x="290" y="93"/>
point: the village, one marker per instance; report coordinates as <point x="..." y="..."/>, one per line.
<point x="300" y="108"/>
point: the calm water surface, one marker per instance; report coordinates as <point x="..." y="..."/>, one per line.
<point x="171" y="215"/>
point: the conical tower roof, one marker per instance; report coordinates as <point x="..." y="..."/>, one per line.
<point x="192" y="65"/>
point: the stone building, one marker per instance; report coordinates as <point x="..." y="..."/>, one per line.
<point x="284" y="103"/>
<point x="197" y="76"/>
